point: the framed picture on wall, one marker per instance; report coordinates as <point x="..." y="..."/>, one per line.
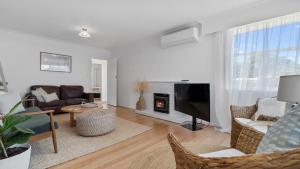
<point x="55" y="62"/>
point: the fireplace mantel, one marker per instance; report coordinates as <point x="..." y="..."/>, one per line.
<point x="167" y="81"/>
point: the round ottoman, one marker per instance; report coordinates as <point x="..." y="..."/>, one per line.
<point x="95" y="123"/>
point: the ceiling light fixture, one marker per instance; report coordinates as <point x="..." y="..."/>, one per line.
<point x="84" y="33"/>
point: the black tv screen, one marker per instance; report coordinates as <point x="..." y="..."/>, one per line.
<point x="193" y="99"/>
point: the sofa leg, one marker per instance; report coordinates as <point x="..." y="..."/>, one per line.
<point x="53" y="133"/>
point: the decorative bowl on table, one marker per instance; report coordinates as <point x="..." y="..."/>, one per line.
<point x="89" y="105"/>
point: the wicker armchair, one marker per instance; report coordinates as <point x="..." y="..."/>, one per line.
<point x="247" y="142"/>
<point x="236" y="128"/>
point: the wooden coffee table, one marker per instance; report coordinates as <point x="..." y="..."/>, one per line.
<point x="75" y="109"/>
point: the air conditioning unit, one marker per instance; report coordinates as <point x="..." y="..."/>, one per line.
<point x="187" y="35"/>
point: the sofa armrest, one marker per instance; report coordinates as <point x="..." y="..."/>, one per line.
<point x="88" y="96"/>
<point x="30" y="100"/>
<point x="243" y="111"/>
<point x="249" y="140"/>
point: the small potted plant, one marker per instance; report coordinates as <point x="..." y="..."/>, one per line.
<point x="14" y="152"/>
<point x="141" y="88"/>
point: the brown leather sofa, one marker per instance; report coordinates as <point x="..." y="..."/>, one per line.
<point x="68" y="95"/>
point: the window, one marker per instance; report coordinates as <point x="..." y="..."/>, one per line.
<point x="261" y="52"/>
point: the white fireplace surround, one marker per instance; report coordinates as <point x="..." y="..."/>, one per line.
<point x="168" y="88"/>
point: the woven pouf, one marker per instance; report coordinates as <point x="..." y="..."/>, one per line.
<point x="95" y="123"/>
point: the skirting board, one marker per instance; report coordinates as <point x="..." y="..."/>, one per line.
<point x="163" y="116"/>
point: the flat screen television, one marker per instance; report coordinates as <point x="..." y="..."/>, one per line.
<point x="193" y="99"/>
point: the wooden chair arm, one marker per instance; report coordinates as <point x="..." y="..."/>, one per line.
<point x="243" y="111"/>
<point x="39" y="112"/>
<point x="249" y="140"/>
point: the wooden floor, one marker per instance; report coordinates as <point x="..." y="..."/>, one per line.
<point x="120" y="155"/>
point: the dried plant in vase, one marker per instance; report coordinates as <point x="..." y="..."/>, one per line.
<point x="141" y="87"/>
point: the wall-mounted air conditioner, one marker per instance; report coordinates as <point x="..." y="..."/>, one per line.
<point x="187" y="35"/>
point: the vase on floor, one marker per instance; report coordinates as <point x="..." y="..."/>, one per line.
<point x="140" y="104"/>
<point x="141" y="88"/>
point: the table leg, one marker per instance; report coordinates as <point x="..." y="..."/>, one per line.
<point x="72" y="120"/>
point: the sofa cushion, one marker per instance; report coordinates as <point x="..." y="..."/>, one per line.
<point x="48" y="89"/>
<point x="283" y="135"/>
<point x="38" y="124"/>
<point x="57" y="109"/>
<point x="52" y="103"/>
<point x="75" y="101"/>
<point x="224" y="153"/>
<point x="68" y="92"/>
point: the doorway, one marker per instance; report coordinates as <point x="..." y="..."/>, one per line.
<point x="99" y="79"/>
<point x="104" y="80"/>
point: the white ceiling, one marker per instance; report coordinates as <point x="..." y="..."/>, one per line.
<point x="111" y="22"/>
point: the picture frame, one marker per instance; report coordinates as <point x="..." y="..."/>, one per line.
<point x="53" y="62"/>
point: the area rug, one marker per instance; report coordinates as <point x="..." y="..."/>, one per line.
<point x="71" y="145"/>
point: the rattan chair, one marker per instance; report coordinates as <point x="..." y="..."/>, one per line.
<point x="247" y="142"/>
<point x="239" y="112"/>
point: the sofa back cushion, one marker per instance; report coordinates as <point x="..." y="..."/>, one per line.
<point x="47" y="88"/>
<point x="69" y="92"/>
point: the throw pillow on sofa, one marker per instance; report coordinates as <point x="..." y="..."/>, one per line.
<point x="50" y="97"/>
<point x="283" y="135"/>
<point x="268" y="108"/>
<point x="8" y="100"/>
<point x="39" y="93"/>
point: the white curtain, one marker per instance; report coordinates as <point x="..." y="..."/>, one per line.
<point x="260" y="53"/>
<point x="251" y="59"/>
<point x="221" y="118"/>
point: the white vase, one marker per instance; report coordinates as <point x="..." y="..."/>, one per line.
<point x="20" y="161"/>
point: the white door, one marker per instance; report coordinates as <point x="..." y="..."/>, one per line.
<point x="112" y="81"/>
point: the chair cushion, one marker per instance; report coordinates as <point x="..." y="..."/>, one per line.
<point x="51" y="104"/>
<point x="31" y="109"/>
<point x="243" y="121"/>
<point x="283" y="135"/>
<point x="270" y="107"/>
<point x="38" y="123"/>
<point x="75" y="101"/>
<point x="224" y="153"/>
<point x="261" y="126"/>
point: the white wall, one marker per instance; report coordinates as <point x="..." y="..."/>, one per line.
<point x="145" y="60"/>
<point x="20" y="57"/>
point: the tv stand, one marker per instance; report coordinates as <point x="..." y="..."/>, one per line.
<point x="194" y="126"/>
